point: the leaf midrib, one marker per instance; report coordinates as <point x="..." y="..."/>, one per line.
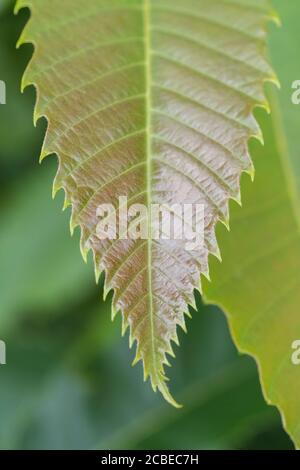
<point x="147" y="45"/>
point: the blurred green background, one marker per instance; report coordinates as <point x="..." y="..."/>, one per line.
<point x="68" y="382"/>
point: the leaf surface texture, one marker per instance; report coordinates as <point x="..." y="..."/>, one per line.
<point x="152" y="100"/>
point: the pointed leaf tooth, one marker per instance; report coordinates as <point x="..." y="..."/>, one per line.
<point x="131" y="339"/>
<point x="57" y="185"/>
<point x="238" y="198"/>
<point x="206" y="274"/>
<point x="27" y="81"/>
<point x="175" y="338"/>
<point x="166" y="362"/>
<point x="45" y="152"/>
<point x="169" y="350"/>
<point x="137" y="359"/>
<point x="251" y="172"/>
<point x="274" y="80"/>
<point x="215" y="250"/>
<point x="114" y="312"/>
<point x="37" y="114"/>
<point x="55" y="190"/>
<point x="67" y="203"/>
<point x="83" y="249"/>
<point x="183" y="326"/>
<point x="192" y="303"/>
<point x="274" y="16"/>
<point x="125" y="326"/>
<point x="226" y="220"/>
<point x="98" y="268"/>
<point x="258" y="136"/>
<point x="188" y="313"/>
<point x="73" y="222"/>
<point x="106" y="291"/>
<point x="264" y="105"/>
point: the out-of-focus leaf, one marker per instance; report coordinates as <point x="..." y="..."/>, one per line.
<point x="284" y="53"/>
<point x="151" y="100"/>
<point x="258" y="282"/>
<point x="269" y="323"/>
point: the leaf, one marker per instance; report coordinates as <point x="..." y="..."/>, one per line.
<point x="258" y="281"/>
<point x="152" y="100"/>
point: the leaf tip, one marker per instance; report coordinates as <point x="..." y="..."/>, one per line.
<point x="275" y="18"/>
<point x="164" y="390"/>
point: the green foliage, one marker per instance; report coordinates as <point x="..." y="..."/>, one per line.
<point x="258" y="281"/>
<point x="68" y="383"/>
<point x="155" y="104"/>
